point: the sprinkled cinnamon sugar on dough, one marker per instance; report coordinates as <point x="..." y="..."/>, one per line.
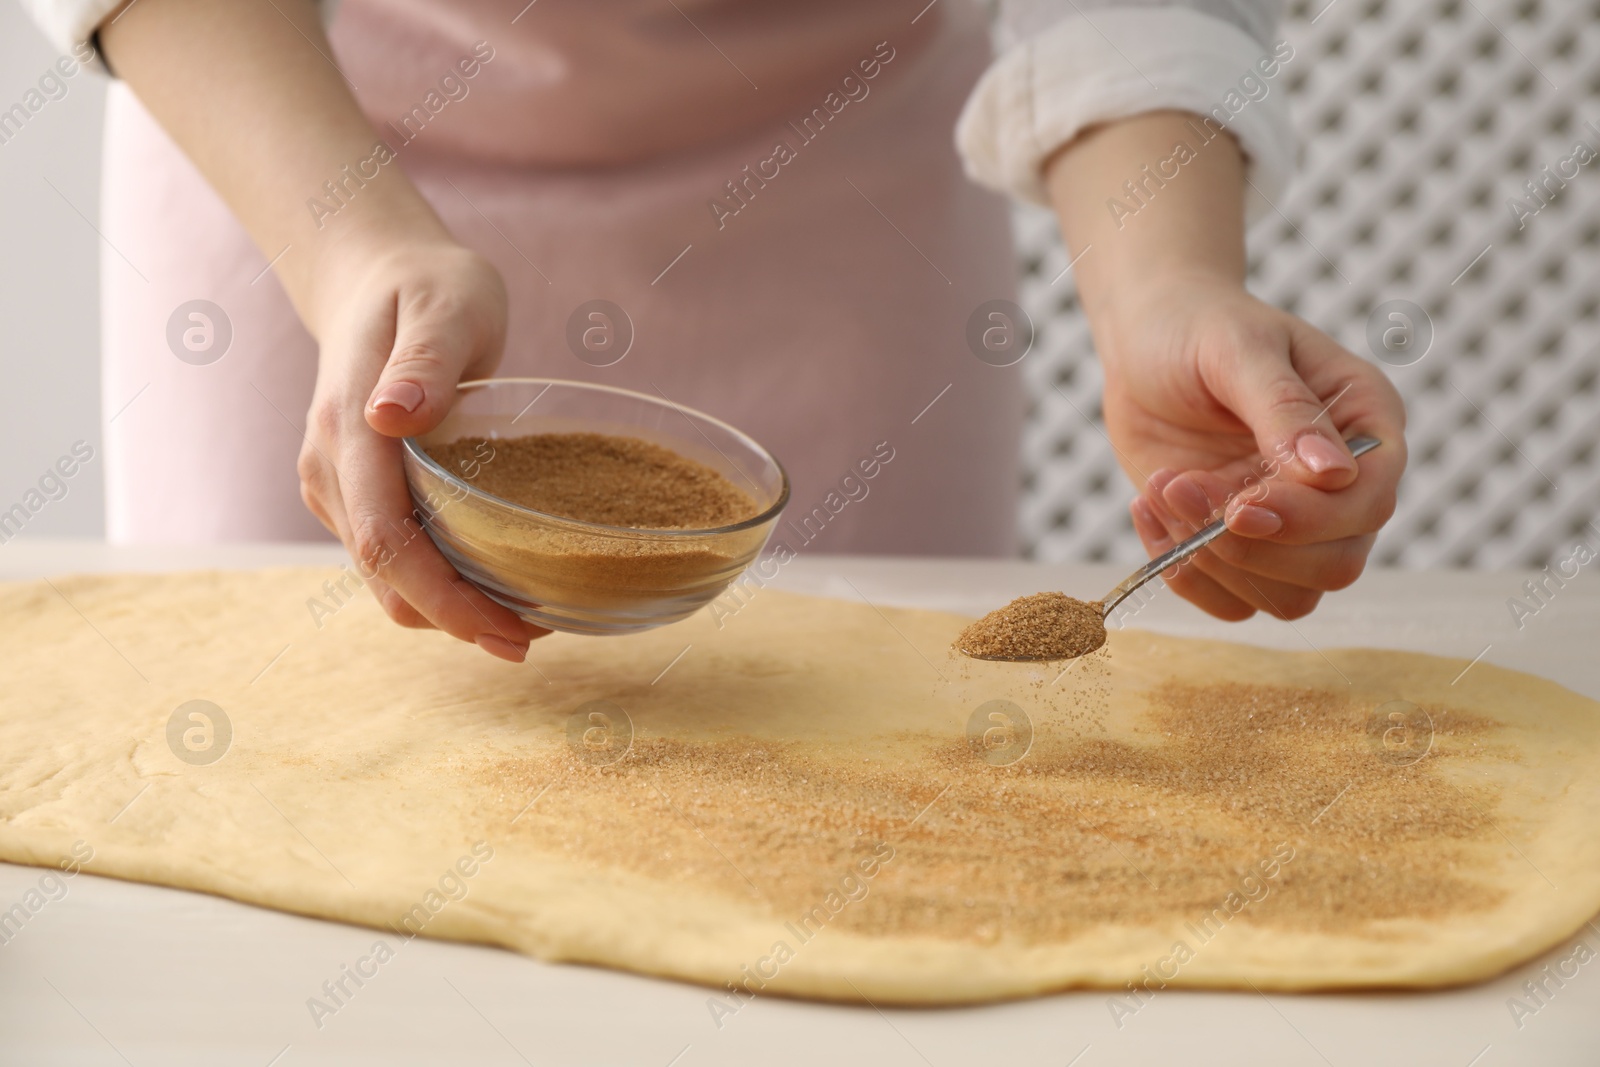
<point x="1224" y="784"/>
<point x="1043" y="626"/>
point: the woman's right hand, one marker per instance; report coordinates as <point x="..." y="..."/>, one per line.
<point x="401" y="311"/>
<point x="400" y="322"/>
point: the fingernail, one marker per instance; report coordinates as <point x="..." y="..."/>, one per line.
<point x="1253" y="520"/>
<point x="1158" y="481"/>
<point x="496" y="645"/>
<point x="1159" y="530"/>
<point x="1145" y="521"/>
<point x="407" y="396"/>
<point x="1187" y="500"/>
<point x="1320" y="454"/>
<point x="1158" y="507"/>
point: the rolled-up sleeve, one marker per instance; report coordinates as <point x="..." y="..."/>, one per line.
<point x="69" y="24"/>
<point x="1067" y="66"/>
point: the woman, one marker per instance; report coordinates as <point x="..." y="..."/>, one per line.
<point x="766" y="196"/>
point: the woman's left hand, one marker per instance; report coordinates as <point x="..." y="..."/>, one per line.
<point x="1221" y="406"/>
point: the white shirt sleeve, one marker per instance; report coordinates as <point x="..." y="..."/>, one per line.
<point x="69" y="24"/>
<point x="1067" y="66"/>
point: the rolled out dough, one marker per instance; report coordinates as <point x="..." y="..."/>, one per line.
<point x="789" y="802"/>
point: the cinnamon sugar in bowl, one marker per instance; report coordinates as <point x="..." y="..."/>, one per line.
<point x="591" y="509"/>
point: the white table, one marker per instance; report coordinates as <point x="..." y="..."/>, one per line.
<point x="116" y="972"/>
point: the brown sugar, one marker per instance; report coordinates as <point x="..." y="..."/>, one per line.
<point x="1259" y="803"/>
<point x="600" y="478"/>
<point x="1043" y="626"/>
<point x="609" y="480"/>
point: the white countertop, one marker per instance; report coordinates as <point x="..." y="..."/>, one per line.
<point x="116" y="972"/>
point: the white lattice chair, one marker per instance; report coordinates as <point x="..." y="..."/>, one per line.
<point x="1418" y="122"/>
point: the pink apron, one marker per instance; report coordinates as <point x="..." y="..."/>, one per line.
<point x="769" y="193"/>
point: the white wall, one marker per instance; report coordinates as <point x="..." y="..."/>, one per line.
<point x="1418" y="125"/>
<point x="49" y="284"/>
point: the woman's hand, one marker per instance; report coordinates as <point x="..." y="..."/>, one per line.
<point x="400" y="310"/>
<point x="1220" y="406"/>
<point x="404" y="322"/>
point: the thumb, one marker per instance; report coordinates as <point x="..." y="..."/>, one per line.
<point x="433" y="349"/>
<point x="1288" y="420"/>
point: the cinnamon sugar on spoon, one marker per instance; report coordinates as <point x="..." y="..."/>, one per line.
<point x="1042" y="626"/>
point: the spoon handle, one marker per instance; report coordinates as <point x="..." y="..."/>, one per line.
<point x="1178" y="553"/>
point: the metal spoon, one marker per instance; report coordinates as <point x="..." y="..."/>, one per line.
<point x="1172" y="557"/>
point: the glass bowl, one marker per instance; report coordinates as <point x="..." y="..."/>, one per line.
<point x="584" y="577"/>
